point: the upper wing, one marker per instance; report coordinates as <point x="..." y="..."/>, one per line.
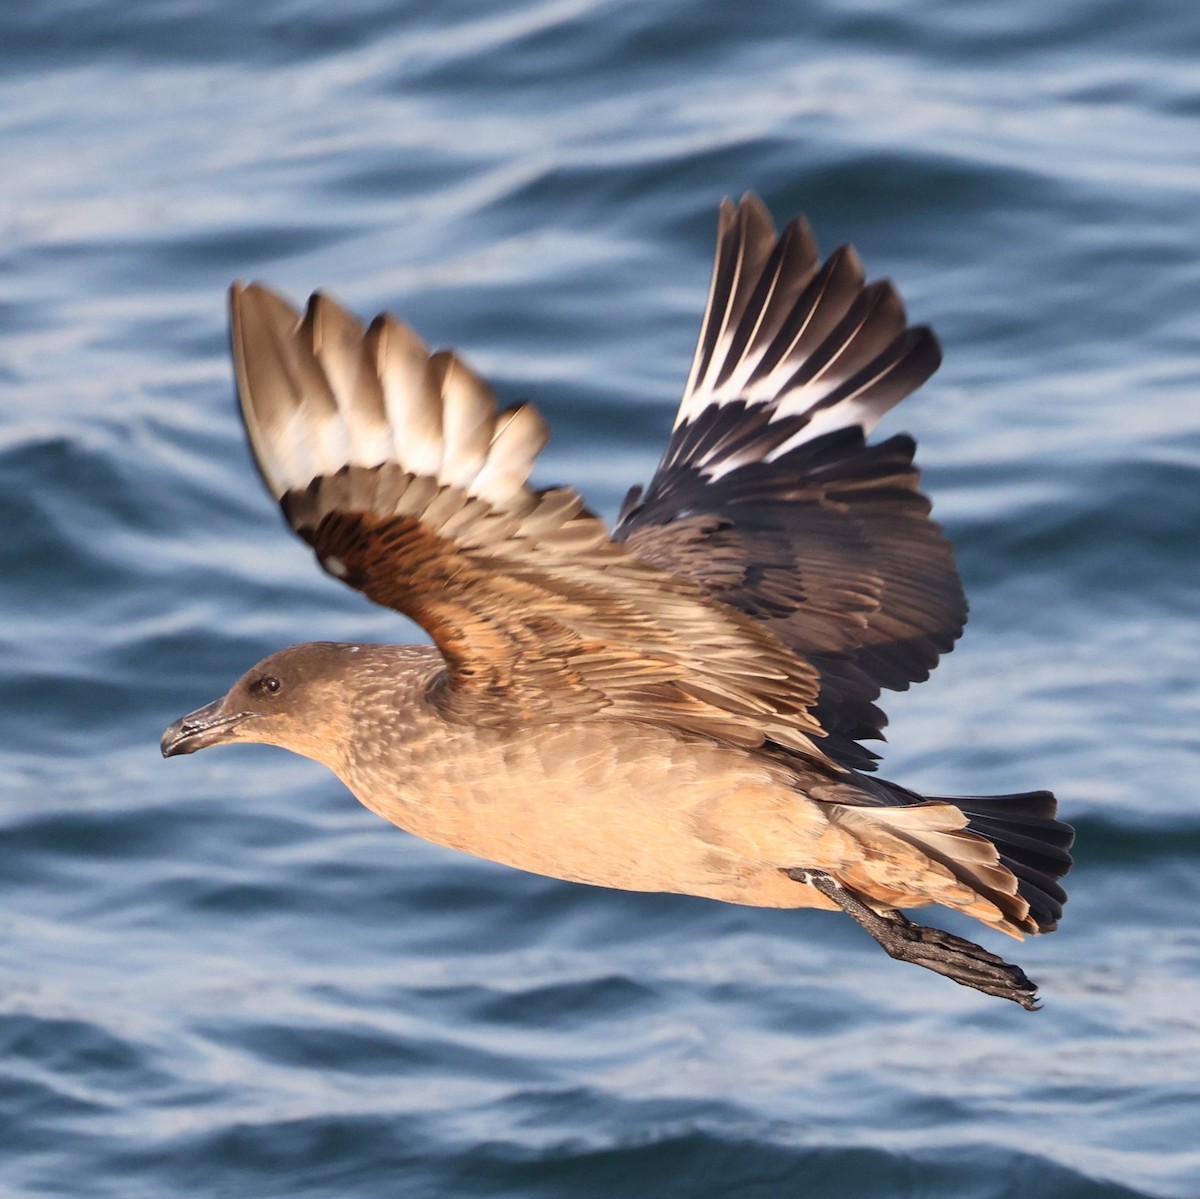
<point x="396" y="467"/>
<point x="769" y="496"/>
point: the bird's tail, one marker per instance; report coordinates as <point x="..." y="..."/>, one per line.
<point x="1031" y="843"/>
<point x="998" y="858"/>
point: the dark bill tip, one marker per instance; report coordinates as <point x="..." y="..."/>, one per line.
<point x="199" y="729"/>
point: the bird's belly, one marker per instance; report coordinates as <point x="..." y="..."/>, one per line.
<point x="612" y="805"/>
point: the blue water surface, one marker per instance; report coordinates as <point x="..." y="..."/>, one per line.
<point x="219" y="976"/>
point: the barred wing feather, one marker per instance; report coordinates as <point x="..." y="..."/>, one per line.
<point x="769" y="495"/>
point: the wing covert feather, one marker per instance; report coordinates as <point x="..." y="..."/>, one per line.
<point x="411" y="488"/>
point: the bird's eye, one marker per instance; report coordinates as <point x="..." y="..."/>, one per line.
<point x="267" y="685"/>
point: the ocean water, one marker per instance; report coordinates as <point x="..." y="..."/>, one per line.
<point x="219" y="976"/>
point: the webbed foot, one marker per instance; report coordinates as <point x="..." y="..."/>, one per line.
<point x="937" y="950"/>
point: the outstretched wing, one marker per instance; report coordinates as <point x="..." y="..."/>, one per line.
<point x="397" y="468"/>
<point x="768" y="494"/>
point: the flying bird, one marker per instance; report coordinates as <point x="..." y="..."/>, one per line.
<point x="678" y="704"/>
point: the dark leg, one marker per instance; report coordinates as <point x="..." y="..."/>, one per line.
<point x="956" y="958"/>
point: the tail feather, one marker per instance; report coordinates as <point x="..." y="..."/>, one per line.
<point x="1031" y="843"/>
<point x="998" y="858"/>
<point x="1050" y="861"/>
<point x="1044" y="896"/>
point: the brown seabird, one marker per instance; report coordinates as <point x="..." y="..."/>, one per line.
<point x="678" y="704"/>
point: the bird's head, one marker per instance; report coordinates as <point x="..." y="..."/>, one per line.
<point x="296" y="699"/>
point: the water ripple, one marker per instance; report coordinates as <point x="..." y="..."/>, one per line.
<point x="222" y="976"/>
